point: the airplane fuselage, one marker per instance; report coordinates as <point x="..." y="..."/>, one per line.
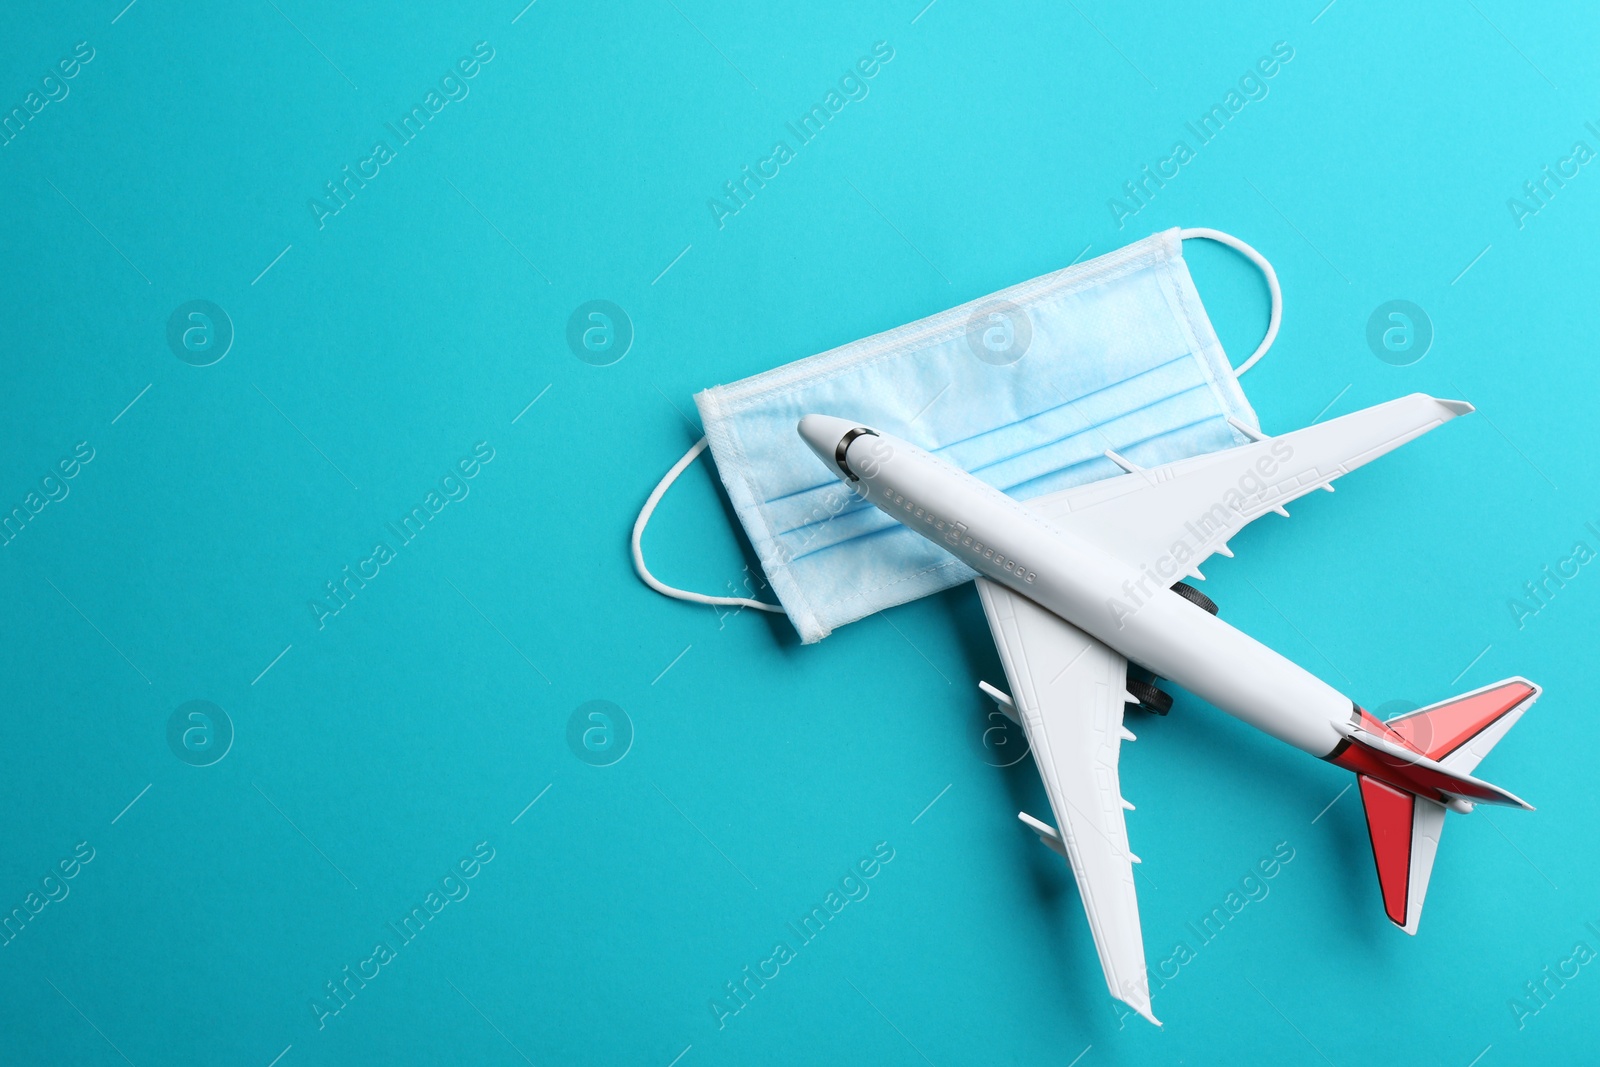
<point x="1104" y="596"/>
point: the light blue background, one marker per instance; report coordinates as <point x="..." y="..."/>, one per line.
<point x="378" y="751"/>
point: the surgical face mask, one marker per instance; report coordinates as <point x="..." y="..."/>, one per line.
<point x="1028" y="389"/>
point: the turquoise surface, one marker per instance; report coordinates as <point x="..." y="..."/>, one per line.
<point x="188" y="883"/>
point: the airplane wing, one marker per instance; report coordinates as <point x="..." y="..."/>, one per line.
<point x="1068" y="691"/>
<point x="1173" y="517"/>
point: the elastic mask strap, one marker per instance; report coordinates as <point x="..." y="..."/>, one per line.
<point x="1272" y="287"/>
<point x="638" y="535"/>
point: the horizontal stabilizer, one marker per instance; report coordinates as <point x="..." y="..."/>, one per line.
<point x="1460" y="732"/>
<point x="1405" y="837"/>
<point x="1389" y="761"/>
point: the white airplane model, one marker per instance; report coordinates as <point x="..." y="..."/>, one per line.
<point x="1079" y="584"/>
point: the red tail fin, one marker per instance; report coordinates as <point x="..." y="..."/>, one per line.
<point x="1411" y="767"/>
<point x="1392" y="822"/>
<point x="1443" y="730"/>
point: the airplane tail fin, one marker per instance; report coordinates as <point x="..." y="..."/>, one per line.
<point x="1459" y="732"/>
<point x="1406" y="798"/>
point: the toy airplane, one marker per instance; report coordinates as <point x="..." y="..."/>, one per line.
<point x="1080" y="584"/>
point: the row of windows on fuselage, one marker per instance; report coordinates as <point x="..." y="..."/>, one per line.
<point x="953" y="531"/>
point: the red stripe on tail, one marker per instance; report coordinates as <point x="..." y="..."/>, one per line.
<point x="1440" y="730"/>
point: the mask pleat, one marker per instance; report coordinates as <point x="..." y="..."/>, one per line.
<point x="1116" y="353"/>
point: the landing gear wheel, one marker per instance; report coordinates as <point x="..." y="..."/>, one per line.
<point x="1195" y="597"/>
<point x="1151" y="698"/>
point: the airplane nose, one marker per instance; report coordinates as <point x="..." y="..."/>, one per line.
<point x="830" y="439"/>
<point x="823" y="433"/>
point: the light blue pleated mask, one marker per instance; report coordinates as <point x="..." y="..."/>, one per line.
<point x="1027" y="389"/>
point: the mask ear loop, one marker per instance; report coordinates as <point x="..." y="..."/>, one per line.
<point x="1272" y="287"/>
<point x="638" y="535"/>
